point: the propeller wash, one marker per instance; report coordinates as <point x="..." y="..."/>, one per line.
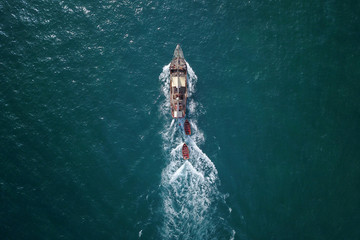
<point x="191" y="200"/>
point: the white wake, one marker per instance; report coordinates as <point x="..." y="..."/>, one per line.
<point x="189" y="188"/>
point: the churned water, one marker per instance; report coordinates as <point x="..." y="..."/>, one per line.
<point x="189" y="187"/>
<point x="88" y="148"/>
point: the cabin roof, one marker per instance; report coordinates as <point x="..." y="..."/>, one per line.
<point x="178" y="82"/>
<point x="178" y="114"/>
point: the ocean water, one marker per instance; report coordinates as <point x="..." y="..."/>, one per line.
<point x="88" y="148"/>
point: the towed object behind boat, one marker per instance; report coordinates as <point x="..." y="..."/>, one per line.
<point x="185" y="152"/>
<point x="187" y="127"/>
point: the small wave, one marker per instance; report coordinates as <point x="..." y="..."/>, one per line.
<point x="232" y="235"/>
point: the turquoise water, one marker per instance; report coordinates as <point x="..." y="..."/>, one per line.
<point x="89" y="149"/>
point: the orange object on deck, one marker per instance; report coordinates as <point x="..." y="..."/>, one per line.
<point x="185" y="152"/>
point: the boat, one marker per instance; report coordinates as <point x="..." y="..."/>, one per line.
<point x="178" y="84"/>
<point x="185" y="152"/>
<point x="187" y="127"/>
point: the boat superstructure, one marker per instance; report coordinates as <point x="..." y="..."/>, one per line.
<point x="178" y="84"/>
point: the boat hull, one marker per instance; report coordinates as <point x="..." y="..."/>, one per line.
<point x="185" y="152"/>
<point x="178" y="84"/>
<point x="187" y="127"/>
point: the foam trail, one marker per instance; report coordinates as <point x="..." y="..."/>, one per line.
<point x="172" y="123"/>
<point x="176" y="150"/>
<point x="189" y="189"/>
<point x="184" y="170"/>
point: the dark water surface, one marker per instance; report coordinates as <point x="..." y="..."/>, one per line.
<point x="81" y="149"/>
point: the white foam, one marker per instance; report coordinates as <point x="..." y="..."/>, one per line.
<point x="185" y="170"/>
<point x="232" y="235"/>
<point x="176" y="150"/>
<point x="172" y="123"/>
